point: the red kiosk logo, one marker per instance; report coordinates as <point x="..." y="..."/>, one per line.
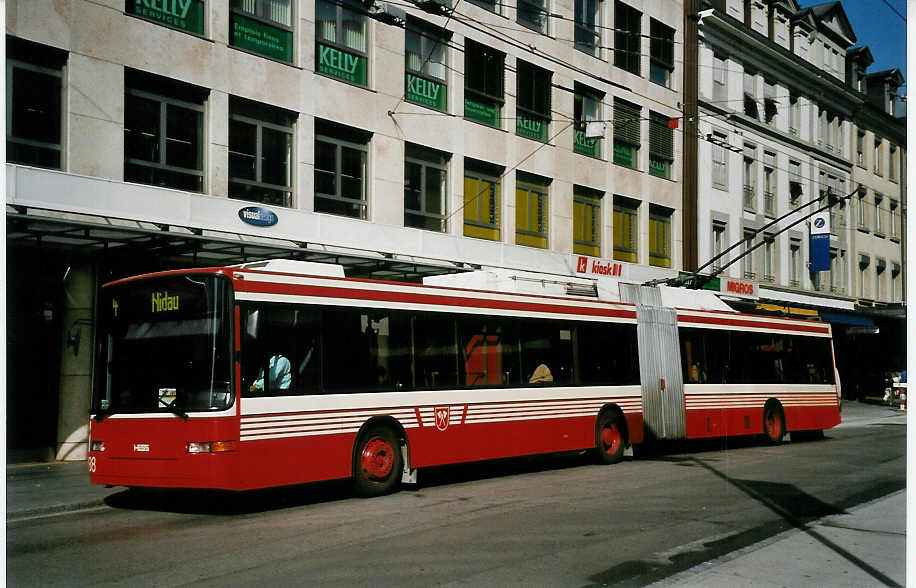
<point x="582" y="264"/>
<point x="443" y="415"/>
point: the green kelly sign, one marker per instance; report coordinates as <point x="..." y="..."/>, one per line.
<point x="533" y="128"/>
<point x="262" y="38"/>
<point x="181" y="14"/>
<point x="426" y="92"/>
<point x="487" y="114"/>
<point x="624" y="155"/>
<point x="342" y="65"/>
<point x="586" y="146"/>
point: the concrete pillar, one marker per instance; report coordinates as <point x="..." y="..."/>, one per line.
<point x="76" y="364"/>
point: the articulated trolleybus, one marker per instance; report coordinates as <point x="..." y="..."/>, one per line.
<point x="264" y="375"/>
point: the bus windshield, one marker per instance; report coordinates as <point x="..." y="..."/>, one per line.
<point x="165" y="346"/>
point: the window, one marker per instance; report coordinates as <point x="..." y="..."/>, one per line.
<point x="864" y="261"/>
<point x="750" y="95"/>
<point x="587" y="37"/>
<point x="750" y="178"/>
<point x="719" y="78"/>
<point x="260" y="152"/>
<point x="341" y="155"/>
<point x="896" y="291"/>
<point x="661" y="53"/>
<point x="533" y="93"/>
<point x="187" y="15"/>
<point x="533" y="14"/>
<point x="719" y="160"/>
<point x="34" y="123"/>
<point x="769" y="258"/>
<point x="769" y="183"/>
<point x="627" y="37"/>
<point x="626" y="213"/>
<point x="531" y="210"/>
<point x="491" y="5"/>
<point x="795" y="181"/>
<point x="262" y="26"/>
<point x="821" y="126"/>
<point x="587" y="109"/>
<point x="878" y="162"/>
<point x="892" y="218"/>
<point x="586" y="221"/>
<point x="879" y="224"/>
<point x="425" y="65"/>
<point x="425" y="175"/>
<point x="661" y="145"/>
<point x="795" y="263"/>
<point x="483" y="83"/>
<point x="880" y="266"/>
<point x="794" y="114"/>
<point x="719" y="243"/>
<point x="340" y="37"/>
<point x="860" y="148"/>
<point x="163" y="132"/>
<point x="892" y="162"/>
<point x="626" y="133"/>
<point x="659" y="236"/>
<point x="747" y="259"/>
<point x="770" y="105"/>
<point x="831" y="128"/>
<point x="861" y="213"/>
<point x="481" y="200"/>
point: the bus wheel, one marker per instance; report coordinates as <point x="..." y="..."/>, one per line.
<point x="610" y="437"/>
<point x="377" y="467"/>
<point x="774" y="423"/>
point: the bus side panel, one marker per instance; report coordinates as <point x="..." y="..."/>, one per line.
<point x="807" y="418"/>
<point x="480" y="441"/>
<point x="296" y="460"/>
<point x="721" y="422"/>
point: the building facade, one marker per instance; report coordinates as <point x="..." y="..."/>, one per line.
<point x="791" y="122"/>
<point x="400" y="140"/>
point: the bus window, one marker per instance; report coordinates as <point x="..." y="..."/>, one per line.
<point x="607" y="354"/>
<point x="280" y="351"/>
<point x="546" y="353"/>
<point x="435" y="352"/>
<point x="489" y="353"/>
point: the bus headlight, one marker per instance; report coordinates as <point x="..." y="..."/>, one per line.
<point x="96" y="445"/>
<point x="211" y="446"/>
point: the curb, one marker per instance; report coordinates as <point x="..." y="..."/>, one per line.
<point x="53" y="509"/>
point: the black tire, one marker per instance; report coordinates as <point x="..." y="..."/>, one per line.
<point x="377" y="462"/>
<point x="610" y="437"/>
<point x="774" y="423"/>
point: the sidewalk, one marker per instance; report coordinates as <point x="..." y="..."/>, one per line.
<point x="864" y="547"/>
<point x="45" y="488"/>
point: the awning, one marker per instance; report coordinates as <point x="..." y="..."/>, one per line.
<point x="840" y="318"/>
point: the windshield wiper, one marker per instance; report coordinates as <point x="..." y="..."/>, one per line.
<point x="174" y="409"/>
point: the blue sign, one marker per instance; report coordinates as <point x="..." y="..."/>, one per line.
<point x="819" y="250"/>
<point x="819" y="223"/>
<point x="257" y="216"/>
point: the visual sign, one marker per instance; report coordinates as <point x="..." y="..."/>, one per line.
<point x="598" y="267"/>
<point x="342" y="65"/>
<point x="262" y="38"/>
<point x="182" y="14"/>
<point x="257" y="216"/>
<point x="426" y="92"/>
<point x="819" y="245"/>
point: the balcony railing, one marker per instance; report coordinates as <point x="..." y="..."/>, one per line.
<point x="750" y="198"/>
<point x="769" y="203"/>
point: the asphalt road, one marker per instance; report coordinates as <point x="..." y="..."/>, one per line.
<point x="548" y="521"/>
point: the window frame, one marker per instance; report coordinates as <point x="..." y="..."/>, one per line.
<point x="340" y="144"/>
<point x="661" y="53"/>
<point x="587" y="31"/>
<point x="426" y="163"/>
<point x="539" y="7"/>
<point x="492" y="229"/>
<point x="660" y="236"/>
<point x="164" y="102"/>
<point x="587" y="202"/>
<point x="535" y="230"/>
<point x="340" y="6"/>
<point x="479" y="93"/>
<point x="259" y="16"/>
<point x="629" y="35"/>
<point x="626" y="211"/>
<point x="260" y="125"/>
<point x="661" y="145"/>
<point x="13" y="63"/>
<point x="427" y="35"/>
<point x="585" y="96"/>
<point x="527" y="114"/>
<point x="627" y="132"/>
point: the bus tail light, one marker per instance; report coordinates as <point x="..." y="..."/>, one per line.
<point x="96" y="445"/>
<point x="211" y="446"/>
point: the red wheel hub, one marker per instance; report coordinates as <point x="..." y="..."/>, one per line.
<point x="377" y="459"/>
<point x="774" y="425"/>
<point x="610" y="438"/>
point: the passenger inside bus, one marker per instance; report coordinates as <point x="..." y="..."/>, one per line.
<point x="279" y="376"/>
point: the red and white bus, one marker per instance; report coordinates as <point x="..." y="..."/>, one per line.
<point x="245" y="377"/>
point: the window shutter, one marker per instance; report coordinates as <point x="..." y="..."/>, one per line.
<point x="626" y="122"/>
<point x="661" y="136"/>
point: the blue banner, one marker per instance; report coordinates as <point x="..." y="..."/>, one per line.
<point x="820" y="253"/>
